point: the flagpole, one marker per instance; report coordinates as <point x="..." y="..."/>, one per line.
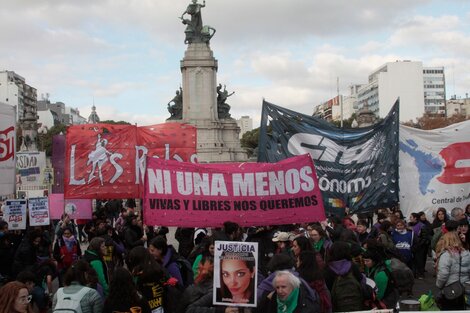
<point x="340" y="101"/>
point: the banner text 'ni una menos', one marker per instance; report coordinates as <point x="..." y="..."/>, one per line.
<point x="357" y="168"/>
<point x="108" y="161"/>
<point x="199" y="195"/>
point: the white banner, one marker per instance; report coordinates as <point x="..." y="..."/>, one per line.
<point x="434" y="168"/>
<point x="15" y="214"/>
<point x="31" y="166"/>
<point x="7" y="149"/>
<point x="235" y="273"/>
<point x="38" y="212"/>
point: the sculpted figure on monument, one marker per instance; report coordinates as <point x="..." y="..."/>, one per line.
<point x="195" y="31"/>
<point x="222" y="107"/>
<point x="176" y="109"/>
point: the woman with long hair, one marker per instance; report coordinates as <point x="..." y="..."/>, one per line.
<point x="440" y="218"/>
<point x="124" y="299"/>
<point x="151" y="280"/>
<point x="453" y="264"/>
<point x="309" y="271"/>
<point x="320" y="242"/>
<point x="237" y="279"/>
<point x="94" y="256"/>
<point x="299" y="244"/>
<point x="14" y="297"/>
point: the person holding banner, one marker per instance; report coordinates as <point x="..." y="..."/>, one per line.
<point x="238" y="278"/>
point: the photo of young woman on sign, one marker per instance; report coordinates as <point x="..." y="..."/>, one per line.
<point x="236" y="271"/>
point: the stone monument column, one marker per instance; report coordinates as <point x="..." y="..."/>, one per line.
<point x="199" y="69"/>
<point x="217" y="133"/>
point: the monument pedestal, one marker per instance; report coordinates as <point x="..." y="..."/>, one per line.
<point x="217" y="139"/>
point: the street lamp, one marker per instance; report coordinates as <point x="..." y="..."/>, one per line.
<point x="42" y="131"/>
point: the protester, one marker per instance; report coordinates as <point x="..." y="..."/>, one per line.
<point x="6" y="251"/>
<point x="361" y="231"/>
<point x="66" y="251"/>
<point x="283" y="243"/>
<point x="123" y="295"/>
<point x="14" y="297"/>
<point x="309" y="271"/>
<point x="384" y="236"/>
<point x="289" y="296"/>
<point x="378" y="268"/>
<point x="440" y="218"/>
<point x="403" y="240"/>
<point x="344" y="279"/>
<point x="207" y="250"/>
<point x="320" y="241"/>
<point x="26" y="255"/>
<point x="299" y="244"/>
<point x="65" y="222"/>
<point x="151" y="280"/>
<point x="166" y="255"/>
<point x="75" y="281"/>
<point x="133" y="234"/>
<point x="198" y="297"/>
<point x="184" y="236"/>
<point x="453" y="265"/>
<point x="94" y="256"/>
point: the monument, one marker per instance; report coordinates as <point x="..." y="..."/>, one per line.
<point x="200" y="101"/>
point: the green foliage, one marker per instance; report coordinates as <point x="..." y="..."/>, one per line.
<point x="113" y="122"/>
<point x="45" y="140"/>
<point x="249" y="140"/>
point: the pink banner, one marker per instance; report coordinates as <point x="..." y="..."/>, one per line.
<point x="76" y="208"/>
<point x="251" y="194"/>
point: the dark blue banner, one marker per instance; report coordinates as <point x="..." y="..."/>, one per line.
<point x="356" y="168"/>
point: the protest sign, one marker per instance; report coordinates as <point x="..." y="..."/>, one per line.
<point x="15" y="214"/>
<point x="38" y="212"/>
<point x="199" y="195"/>
<point x="235" y="273"/>
<point x="75" y="208"/>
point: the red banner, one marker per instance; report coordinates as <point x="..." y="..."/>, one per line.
<point x="108" y="161"/>
<point x="206" y="195"/>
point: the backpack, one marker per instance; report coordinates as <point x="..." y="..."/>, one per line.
<point x="186" y="271"/>
<point x="347" y="294"/>
<point x="70" y="302"/>
<point x="402" y="276"/>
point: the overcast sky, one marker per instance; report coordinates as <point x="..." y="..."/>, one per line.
<point x="124" y="54"/>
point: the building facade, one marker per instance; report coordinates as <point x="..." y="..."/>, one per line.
<point x="51" y="114"/>
<point x="15" y="92"/>
<point x="393" y="80"/>
<point x="246" y="124"/>
<point x="434" y="91"/>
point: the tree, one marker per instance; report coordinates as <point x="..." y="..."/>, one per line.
<point x="46" y="139"/>
<point x="113" y="122"/>
<point x="428" y="121"/>
<point x="250" y="140"/>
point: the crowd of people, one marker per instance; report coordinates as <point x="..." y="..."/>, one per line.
<point x="338" y="265"/>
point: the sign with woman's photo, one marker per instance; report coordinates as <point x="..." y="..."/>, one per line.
<point x="235" y="268"/>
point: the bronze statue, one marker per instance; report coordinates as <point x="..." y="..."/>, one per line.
<point x="222" y="107"/>
<point x="176" y="109"/>
<point x="195" y="31"/>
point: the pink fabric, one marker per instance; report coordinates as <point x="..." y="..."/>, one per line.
<point x="76" y="208"/>
<point x="246" y="193"/>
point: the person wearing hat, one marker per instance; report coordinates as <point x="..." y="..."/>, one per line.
<point x="282" y="240"/>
